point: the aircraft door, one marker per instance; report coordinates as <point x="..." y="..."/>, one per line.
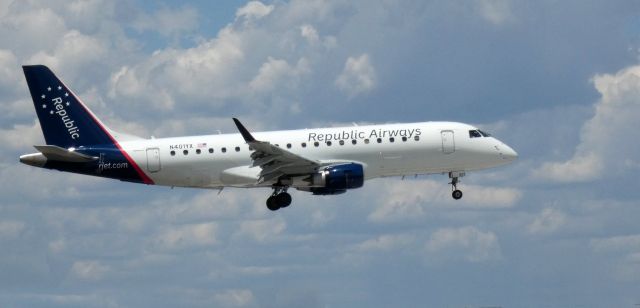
<point x="448" y="142"/>
<point x="153" y="159"/>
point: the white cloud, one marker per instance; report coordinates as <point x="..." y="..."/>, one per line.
<point x="168" y="22"/>
<point x="130" y="84"/>
<point x="263" y="230"/>
<point x="321" y="217"/>
<point x="178" y="237"/>
<point x="623" y="255"/>
<point x="27" y="31"/>
<point x="234" y="298"/>
<point x="580" y="168"/>
<point x="410" y="200"/>
<point x="310" y="34"/>
<point x="624" y="243"/>
<point x="202" y="73"/>
<point x="90" y="16"/>
<point x="22" y="137"/>
<point x="547" y="222"/>
<point x="89" y="270"/>
<point x="469" y="243"/>
<point x="217" y="206"/>
<point x="11" y="229"/>
<point x="496" y="12"/>
<point x="277" y="72"/>
<point x="9" y="80"/>
<point x="254" y="10"/>
<point x="357" y="77"/>
<point x="67" y="300"/>
<point x="385" y="242"/>
<point x="17" y="181"/>
<point x="73" y="47"/>
<point x="397" y="210"/>
<point x="607" y="139"/>
<point x="4" y="7"/>
<point x="57" y="246"/>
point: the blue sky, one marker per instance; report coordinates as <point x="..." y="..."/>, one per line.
<point x="559" y="81"/>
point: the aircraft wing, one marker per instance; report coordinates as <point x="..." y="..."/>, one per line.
<point x="275" y="161"/>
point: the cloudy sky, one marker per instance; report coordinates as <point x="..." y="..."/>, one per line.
<point x="557" y="80"/>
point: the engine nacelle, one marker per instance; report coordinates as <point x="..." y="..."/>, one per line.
<point x="336" y="179"/>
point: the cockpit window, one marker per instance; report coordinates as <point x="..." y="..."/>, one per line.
<point x="484" y="134"/>
<point x="474" y="134"/>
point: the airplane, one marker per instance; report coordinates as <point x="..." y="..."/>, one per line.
<point x="322" y="161"/>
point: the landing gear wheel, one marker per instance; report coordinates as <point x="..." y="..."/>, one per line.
<point x="457" y="194"/>
<point x="455" y="179"/>
<point x="279" y="199"/>
<point x="272" y="203"/>
<point x="283" y="199"/>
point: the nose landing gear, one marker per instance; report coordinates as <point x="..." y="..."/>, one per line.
<point x="454" y="176"/>
<point x="279" y="199"/>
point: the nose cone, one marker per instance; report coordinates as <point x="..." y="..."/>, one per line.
<point x="508" y="153"/>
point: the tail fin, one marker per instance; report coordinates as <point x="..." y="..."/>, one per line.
<point x="65" y="121"/>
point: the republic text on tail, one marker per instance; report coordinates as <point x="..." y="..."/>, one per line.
<point x="323" y="161"/>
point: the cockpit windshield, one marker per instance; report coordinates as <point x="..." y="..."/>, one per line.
<point x="476" y="133"/>
<point x="484" y="134"/>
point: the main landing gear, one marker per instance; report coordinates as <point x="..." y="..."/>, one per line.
<point x="279" y="199"/>
<point x="454" y="176"/>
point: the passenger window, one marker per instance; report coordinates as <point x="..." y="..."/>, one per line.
<point x="210" y="150"/>
<point x="354" y="141"/>
<point x="288" y="145"/>
<point x="198" y="151"/>
<point x="173" y="153"/>
<point x="404" y="139"/>
<point x="224" y="150"/>
<point x="304" y="144"/>
<point x="379" y="140"/>
<point x="366" y="141"/>
<point x="391" y="139"/>
<point x="316" y="144"/>
<point x="341" y="142"/>
<point x="416" y="138"/>
<point x="328" y="143"/>
<point x="237" y="149"/>
<point x="185" y="152"/>
<point x="474" y="134"/>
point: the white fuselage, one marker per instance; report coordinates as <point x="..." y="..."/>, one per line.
<point x="224" y="160"/>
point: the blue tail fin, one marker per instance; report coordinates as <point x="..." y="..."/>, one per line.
<point x="66" y="122"/>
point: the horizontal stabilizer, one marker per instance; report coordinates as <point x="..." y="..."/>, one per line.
<point x="56" y="153"/>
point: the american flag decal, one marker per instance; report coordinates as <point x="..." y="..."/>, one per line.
<point x="202" y="145"/>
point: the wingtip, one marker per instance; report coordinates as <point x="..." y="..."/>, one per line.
<point x="243" y="131"/>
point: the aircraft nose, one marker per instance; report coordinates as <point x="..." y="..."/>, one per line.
<point x="508" y="153"/>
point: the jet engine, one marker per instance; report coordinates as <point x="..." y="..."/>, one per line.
<point x="336" y="179"/>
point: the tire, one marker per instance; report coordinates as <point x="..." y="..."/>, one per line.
<point x="272" y="203"/>
<point x="283" y="199"/>
<point x="457" y="194"/>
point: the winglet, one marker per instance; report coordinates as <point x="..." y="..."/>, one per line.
<point x="245" y="133"/>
